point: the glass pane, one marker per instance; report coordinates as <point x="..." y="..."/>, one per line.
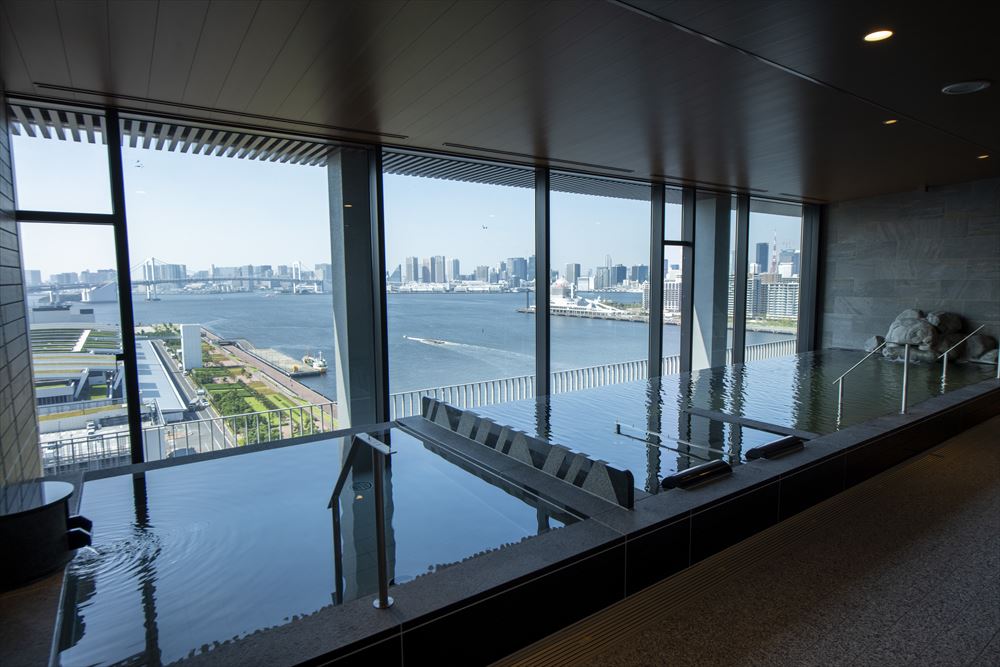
<point x="232" y="301"/>
<point x="60" y="162"/>
<point x="461" y="268"/>
<point x="773" y="272"/>
<point x="600" y="258"/>
<point x="673" y="275"/>
<point x="672" y="215"/>
<point x="75" y="332"/>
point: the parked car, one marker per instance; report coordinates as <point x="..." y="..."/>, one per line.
<point x="183" y="451"/>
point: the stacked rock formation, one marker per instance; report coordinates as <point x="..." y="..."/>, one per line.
<point x="929" y="335"/>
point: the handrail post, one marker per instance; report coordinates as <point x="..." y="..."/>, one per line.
<point x="378" y="464"/>
<point x="906" y="376"/>
<point x="840" y="400"/>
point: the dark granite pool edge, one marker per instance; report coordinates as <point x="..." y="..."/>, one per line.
<point x="673" y="530"/>
<point x="481" y="609"/>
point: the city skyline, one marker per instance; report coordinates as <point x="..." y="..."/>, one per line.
<point x="274" y="208"/>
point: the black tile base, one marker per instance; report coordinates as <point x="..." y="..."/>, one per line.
<point x="656" y="555"/>
<point x="497" y="626"/>
<point x="727" y="523"/>
<point x="804" y="488"/>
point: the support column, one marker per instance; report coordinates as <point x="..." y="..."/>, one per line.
<point x="357" y="232"/>
<point x="711" y="281"/>
<point x="740" y="278"/>
<point x="657" y="201"/>
<point x="542" y="282"/>
<point x="808" y="277"/>
<point x="687" y="279"/>
<point x="123" y="267"/>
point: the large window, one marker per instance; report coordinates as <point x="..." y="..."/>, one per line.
<point x="600" y="265"/>
<point x="235" y="284"/>
<point x="71" y="291"/>
<point x="773" y="273"/>
<point x="231" y="273"/>
<point x="61" y="161"/>
<point x="674" y="251"/>
<point x="461" y="271"/>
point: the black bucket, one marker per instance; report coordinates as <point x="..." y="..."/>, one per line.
<point x="37" y="533"/>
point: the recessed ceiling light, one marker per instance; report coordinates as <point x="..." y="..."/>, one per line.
<point x="890" y="121"/>
<point x="965" y="87"/>
<point x="878" y="35"/>
<point x="983" y="156"/>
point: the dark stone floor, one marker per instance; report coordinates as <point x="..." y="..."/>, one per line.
<point x="911" y="578"/>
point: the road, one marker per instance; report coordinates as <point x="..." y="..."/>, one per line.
<point x="189" y="392"/>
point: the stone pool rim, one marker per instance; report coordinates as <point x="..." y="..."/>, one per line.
<point x="554" y="579"/>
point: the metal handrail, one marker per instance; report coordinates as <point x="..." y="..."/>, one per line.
<point x="840" y="380"/>
<point x="945" y="353"/>
<point x="379" y="453"/>
<point x="863" y="360"/>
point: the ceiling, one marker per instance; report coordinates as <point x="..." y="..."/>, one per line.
<point x="783" y="98"/>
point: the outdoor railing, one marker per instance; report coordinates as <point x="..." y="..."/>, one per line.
<point x="491" y="392"/>
<point x="112" y="448"/>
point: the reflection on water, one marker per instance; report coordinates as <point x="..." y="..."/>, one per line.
<point x="678" y="421"/>
<point x="189" y="557"/>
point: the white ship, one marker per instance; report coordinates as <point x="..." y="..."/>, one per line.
<point x="317" y="363"/>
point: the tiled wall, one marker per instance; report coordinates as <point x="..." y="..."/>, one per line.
<point x="935" y="250"/>
<point x="19" y="455"/>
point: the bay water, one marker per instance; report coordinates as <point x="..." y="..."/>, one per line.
<point x="434" y="339"/>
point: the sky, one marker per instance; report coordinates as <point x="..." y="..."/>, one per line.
<point x="201" y="210"/>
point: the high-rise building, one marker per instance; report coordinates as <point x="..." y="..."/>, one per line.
<point x="411" y="270"/>
<point x="639" y="273"/>
<point x="531" y="268"/>
<point x="32" y="277"/>
<point x="672" y="295"/>
<point x="483" y="274"/>
<point x="602" y="277"/>
<point x="517" y="267"/>
<point x="437" y="269"/>
<point x="572" y="272"/>
<point x="65" y="278"/>
<point x="395" y="276"/>
<point x="456" y="273"/>
<point x="762" y="259"/>
<point x="783" y="299"/>
<point x="618" y="274"/>
<point x="425" y="271"/>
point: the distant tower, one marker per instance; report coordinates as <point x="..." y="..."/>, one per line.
<point x="774" y="254"/>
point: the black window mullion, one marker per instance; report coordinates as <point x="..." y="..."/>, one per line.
<point x="124" y="269"/>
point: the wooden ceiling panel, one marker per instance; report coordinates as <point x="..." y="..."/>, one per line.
<point x="85" y="39"/>
<point x="272" y="25"/>
<point x="225" y="26"/>
<point x="932" y="46"/>
<point x="523" y="65"/>
<point x="775" y="96"/>
<point x="37" y="35"/>
<point x="304" y="45"/>
<point x="349" y="97"/>
<point x="424" y="55"/>
<point x="178" y="32"/>
<point x="447" y="72"/>
<point x="14" y="74"/>
<point x="131" y="33"/>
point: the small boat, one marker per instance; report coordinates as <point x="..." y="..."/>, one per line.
<point x="317" y="363"/>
